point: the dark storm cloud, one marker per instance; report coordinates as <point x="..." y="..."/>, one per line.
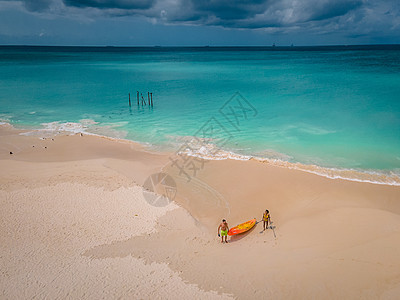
<point x="226" y="13"/>
<point x="110" y="4"/>
<point x="331" y="9"/>
<point x="229" y="9"/>
<point x="296" y="14"/>
<point x="259" y="13"/>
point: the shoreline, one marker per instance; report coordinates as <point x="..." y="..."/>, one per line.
<point x="212" y="153"/>
<point x="81" y="197"/>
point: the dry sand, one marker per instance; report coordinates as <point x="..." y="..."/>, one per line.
<point x="61" y="201"/>
<point x="75" y="223"/>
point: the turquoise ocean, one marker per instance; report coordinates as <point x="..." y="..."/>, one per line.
<point x="328" y="110"/>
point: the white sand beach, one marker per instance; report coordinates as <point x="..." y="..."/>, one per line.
<point x="77" y="223"/>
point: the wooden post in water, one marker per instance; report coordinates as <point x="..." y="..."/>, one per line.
<point x="143" y="101"/>
<point x="151" y="97"/>
<point x="148" y="98"/>
<point x="137" y="94"/>
<point x="129" y="99"/>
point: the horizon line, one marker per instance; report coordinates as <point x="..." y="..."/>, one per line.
<point x="203" y="46"/>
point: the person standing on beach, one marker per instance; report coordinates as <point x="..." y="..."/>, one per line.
<point x="224" y="231"/>
<point x="266" y="218"/>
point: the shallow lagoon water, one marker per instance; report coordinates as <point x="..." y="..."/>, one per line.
<point x="335" y="107"/>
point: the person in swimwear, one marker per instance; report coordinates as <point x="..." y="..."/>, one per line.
<point x="266" y="219"/>
<point x="224" y="231"/>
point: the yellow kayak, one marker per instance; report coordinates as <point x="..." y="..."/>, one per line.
<point x="242" y="227"/>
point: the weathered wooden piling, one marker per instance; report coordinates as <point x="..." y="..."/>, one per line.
<point x="143" y="101"/>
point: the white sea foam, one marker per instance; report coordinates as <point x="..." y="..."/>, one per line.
<point x="56" y="128"/>
<point x="86" y="126"/>
<point x="5" y="119"/>
<point x="375" y="177"/>
<point x="197" y="148"/>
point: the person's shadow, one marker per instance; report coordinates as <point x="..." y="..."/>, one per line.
<point x="273" y="229"/>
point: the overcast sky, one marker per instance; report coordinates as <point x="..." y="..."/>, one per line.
<point x="199" y="23"/>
